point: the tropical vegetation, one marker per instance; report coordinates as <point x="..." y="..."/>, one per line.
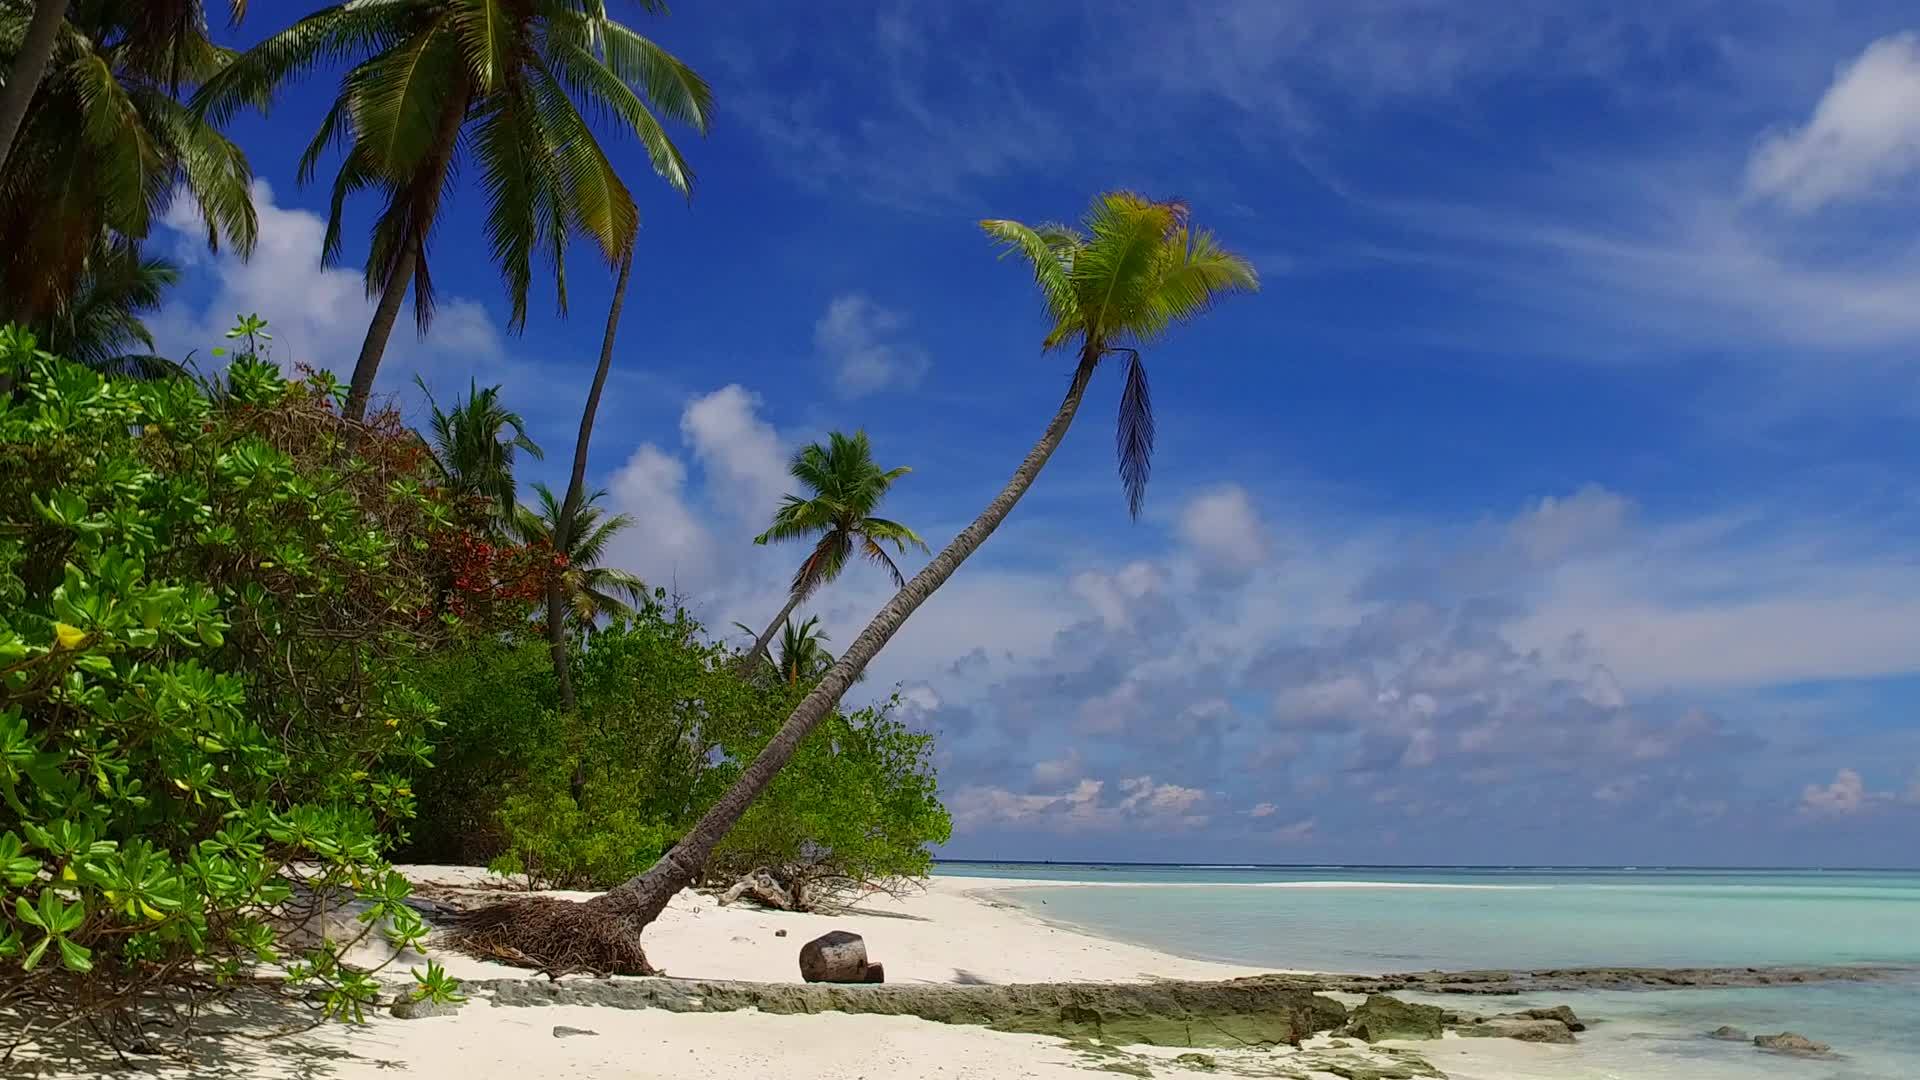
<point x="104" y="144"/>
<point x="843" y="489"/>
<point x="508" y="83"/>
<point x="260" y="638"/>
<point x="1134" y="269"/>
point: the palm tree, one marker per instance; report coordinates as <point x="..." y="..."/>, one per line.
<point x="474" y="446"/>
<point x="98" y="324"/>
<point x="501" y="81"/>
<point x="803" y="652"/>
<point x="36" y="48"/>
<point x="588" y="589"/>
<point x="843" y="487"/>
<point x="103" y="145"/>
<point x="577" y="482"/>
<point x="1134" y="269"/>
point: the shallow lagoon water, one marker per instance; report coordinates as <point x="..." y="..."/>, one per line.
<point x="1361" y="919"/>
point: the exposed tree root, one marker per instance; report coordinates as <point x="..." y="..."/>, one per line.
<point x="552" y="936"/>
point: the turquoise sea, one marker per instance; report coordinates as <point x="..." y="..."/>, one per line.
<point x="1375" y="919"/>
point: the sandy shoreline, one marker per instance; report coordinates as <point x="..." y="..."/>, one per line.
<point x="953" y="931"/>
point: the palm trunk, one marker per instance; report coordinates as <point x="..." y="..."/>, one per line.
<point x="378" y="331"/>
<point x="35" y="50"/>
<point x="395" y="291"/>
<point x="642" y="898"/>
<point x="576" y="487"/>
<point x="763" y="645"/>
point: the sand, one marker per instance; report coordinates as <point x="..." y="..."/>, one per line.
<point x="952" y="931"/>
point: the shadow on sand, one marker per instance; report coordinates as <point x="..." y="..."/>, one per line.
<point x="249" y="1035"/>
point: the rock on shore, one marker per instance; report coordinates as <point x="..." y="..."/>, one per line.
<point x="1176" y="1014"/>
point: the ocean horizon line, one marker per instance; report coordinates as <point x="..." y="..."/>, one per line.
<point x="1500" y="867"/>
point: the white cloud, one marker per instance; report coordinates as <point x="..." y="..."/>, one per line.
<point x="1863" y="135"/>
<point x="1057" y="771"/>
<point x="1224" y="530"/>
<point x="1142" y="803"/>
<point x="740" y="453"/>
<point x="1114" y="596"/>
<point x="1556" y="527"/>
<point x="1846" y="796"/>
<point x="1261" y="810"/>
<point x="319" y="315"/>
<point x="862" y="340"/>
<point x="668" y="545"/>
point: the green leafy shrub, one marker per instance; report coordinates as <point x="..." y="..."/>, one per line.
<point x="856" y="807"/>
<point x="665" y="723"/>
<point x="498" y="732"/>
<point x="212" y="602"/>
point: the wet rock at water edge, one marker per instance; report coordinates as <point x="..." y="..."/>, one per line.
<point x="1384" y="1017"/>
<point x="835" y="957"/>
<point x="1562" y="1013"/>
<point x="1790" y="1042"/>
<point x="1729" y="1033"/>
<point x="1523" y="1028"/>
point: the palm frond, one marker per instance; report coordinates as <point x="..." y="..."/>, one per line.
<point x="877" y="554"/>
<point x="327" y="37"/>
<point x="896" y="533"/>
<point x="1133" y="435"/>
<point x="1049" y="253"/>
<point x="828" y="559"/>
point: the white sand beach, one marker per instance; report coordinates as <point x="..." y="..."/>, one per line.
<point x="952" y="931"/>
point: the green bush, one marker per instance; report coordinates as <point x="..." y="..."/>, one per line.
<point x="664" y="725"/>
<point x="857" y="806"/>
<point x="212" y="602"/>
<point x="498" y="732"/>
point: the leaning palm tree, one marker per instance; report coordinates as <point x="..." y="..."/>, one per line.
<point x="588" y="589"/>
<point x="1133" y="270"/>
<point x="98" y="323"/>
<point x="502" y="82"/>
<point x="843" y="488"/>
<point x="104" y="145"/>
<point x="474" y="446"/>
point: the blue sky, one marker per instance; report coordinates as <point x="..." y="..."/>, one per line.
<point x="1553" y="502"/>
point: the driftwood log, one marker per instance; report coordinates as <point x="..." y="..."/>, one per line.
<point x="761" y="888"/>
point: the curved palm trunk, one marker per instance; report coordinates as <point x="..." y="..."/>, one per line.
<point x="395" y="290"/>
<point x="35" y="50"/>
<point x="763" y="645"/>
<point x="378" y="331"/>
<point x="642" y="898"/>
<point x="556" y="625"/>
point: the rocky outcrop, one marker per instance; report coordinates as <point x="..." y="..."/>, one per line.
<point x="1382" y="1017"/>
<point x="1175" y="1014"/>
<point x="1791" y="1043"/>
<point x="1562" y="1013"/>
<point x="1523" y="1028"/>
<point x="1728" y="1032"/>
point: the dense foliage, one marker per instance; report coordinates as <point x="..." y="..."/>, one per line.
<point x="212" y="603"/>
<point x="665" y="722"/>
